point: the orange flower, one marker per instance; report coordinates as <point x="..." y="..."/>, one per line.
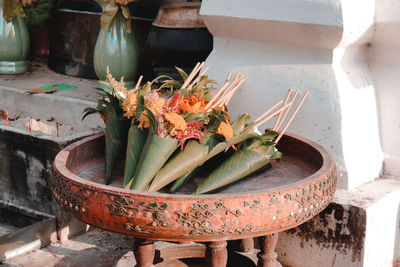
<point x="226" y="130"/>
<point x="192" y="104"/>
<point x="176" y="120"/>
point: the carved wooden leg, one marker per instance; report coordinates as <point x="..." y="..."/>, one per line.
<point x="217" y="255"/>
<point x="267" y="255"/>
<point x="144" y="252"/>
<point x="247" y="245"/>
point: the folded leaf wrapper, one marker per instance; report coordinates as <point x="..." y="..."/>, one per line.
<point x="115" y="139"/>
<point x="136" y="140"/>
<point x="254" y="155"/>
<point x="156" y="152"/>
<point x="193" y="155"/>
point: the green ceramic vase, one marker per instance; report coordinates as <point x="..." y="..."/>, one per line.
<point x="116" y="49"/>
<point x="14" y="44"/>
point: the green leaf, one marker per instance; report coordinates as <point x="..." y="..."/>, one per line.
<point x="89" y="111"/>
<point x="196" y="117"/>
<point x="236" y="167"/>
<point x="155" y="153"/>
<point x="182" y="73"/>
<point x="269" y="135"/>
<point x="184" y="179"/>
<point x="192" y="155"/>
<point x="239" y="125"/>
<point x="171" y="83"/>
<point x="115" y="138"/>
<point x="213" y="141"/>
<point x="136" y="140"/>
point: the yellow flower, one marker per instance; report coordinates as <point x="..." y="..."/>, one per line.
<point x="119" y="88"/>
<point x="155" y="104"/>
<point x="130" y="104"/>
<point x="176" y="120"/>
<point x="226" y="130"/>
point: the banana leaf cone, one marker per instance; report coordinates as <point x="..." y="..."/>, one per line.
<point x="242" y="163"/>
<point x="136" y="140"/>
<point x="155" y="153"/>
<point x="193" y="155"/>
<point x="184" y="179"/>
<point x="185" y="161"/>
<point x="115" y="140"/>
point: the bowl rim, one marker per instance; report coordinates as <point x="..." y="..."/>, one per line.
<point x="60" y="161"/>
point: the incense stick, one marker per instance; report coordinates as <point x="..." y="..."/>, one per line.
<point x="138" y="83"/>
<point x="268" y="111"/>
<point x="7" y="117"/>
<point x="292" y="117"/>
<point x="198" y="78"/>
<point x="229" y="96"/>
<point x="227" y="91"/>
<point x="287" y="111"/>
<point x="271" y="116"/>
<point x="195" y="70"/>
<point x="217" y="95"/>
<point x="280" y="114"/>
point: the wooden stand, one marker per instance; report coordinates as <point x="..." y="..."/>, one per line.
<point x="267" y="255"/>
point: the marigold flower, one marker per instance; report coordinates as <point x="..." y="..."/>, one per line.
<point x="156" y="105"/>
<point x="190" y="107"/>
<point x="177" y="122"/>
<point x="226" y="130"/>
<point x="129" y="105"/>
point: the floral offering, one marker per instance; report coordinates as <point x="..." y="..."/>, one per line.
<point x="178" y="126"/>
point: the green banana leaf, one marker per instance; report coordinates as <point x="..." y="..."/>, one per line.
<point x="254" y="155"/>
<point x="115" y="139"/>
<point x="190" y="157"/>
<point x="156" y="152"/>
<point x="184" y="179"/>
<point x="195" y="154"/>
<point x="239" y="165"/>
<point x="136" y="140"/>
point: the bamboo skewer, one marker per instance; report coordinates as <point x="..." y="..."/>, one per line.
<point x="287" y="111"/>
<point x="190" y="77"/>
<point x="195" y="70"/>
<point x="228" y="77"/>
<point x="271" y="115"/>
<point x="228" y="90"/>
<point x="217" y="95"/>
<point x="198" y="78"/>
<point x="216" y="100"/>
<point x="138" y="83"/>
<point x="230" y="94"/>
<point x="268" y="111"/>
<point x="292" y="117"/>
<point x="280" y="114"/>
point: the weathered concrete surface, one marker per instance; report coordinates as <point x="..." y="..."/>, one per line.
<point x="357" y="229"/>
<point x="95" y="248"/>
<point x="27" y="158"/>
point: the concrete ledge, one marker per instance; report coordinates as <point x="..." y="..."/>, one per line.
<point x="338" y="235"/>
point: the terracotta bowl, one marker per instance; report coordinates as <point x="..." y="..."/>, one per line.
<point x="290" y="193"/>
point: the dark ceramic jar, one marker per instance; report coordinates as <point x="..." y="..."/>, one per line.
<point x="179" y="37"/>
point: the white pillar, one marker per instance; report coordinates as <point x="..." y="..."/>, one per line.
<point x="319" y="46"/>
